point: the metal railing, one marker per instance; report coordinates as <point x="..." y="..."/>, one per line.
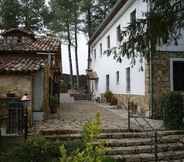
<point x="16" y="118"/>
<point x="154" y="137"/>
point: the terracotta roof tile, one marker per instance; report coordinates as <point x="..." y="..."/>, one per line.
<point x="20" y="63"/>
<point x="39" y="45"/>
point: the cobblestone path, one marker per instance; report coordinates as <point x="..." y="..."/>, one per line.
<point x="74" y="115"/>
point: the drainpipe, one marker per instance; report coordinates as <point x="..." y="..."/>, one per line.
<point x="151" y="107"/>
<point x="151" y="97"/>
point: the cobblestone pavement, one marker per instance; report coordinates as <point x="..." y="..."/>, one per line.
<point x="75" y="115"/>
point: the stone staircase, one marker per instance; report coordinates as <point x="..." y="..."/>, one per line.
<point x="132" y="146"/>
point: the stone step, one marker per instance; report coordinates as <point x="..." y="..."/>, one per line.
<point x="75" y="131"/>
<point x="148" y="157"/>
<point x="139" y="135"/>
<point x="139" y="141"/>
<point x="145" y="149"/>
<point x="122" y="135"/>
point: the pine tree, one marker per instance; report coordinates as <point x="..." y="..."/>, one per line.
<point x="10" y="13"/>
<point x="61" y="23"/>
<point x="33" y="13"/>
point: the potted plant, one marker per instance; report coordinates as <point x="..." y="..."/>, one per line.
<point x="114" y="100"/>
<point x="108" y="95"/>
<point x="53" y="102"/>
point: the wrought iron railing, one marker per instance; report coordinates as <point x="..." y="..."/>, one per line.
<point x="156" y="138"/>
<point x="16" y="117"/>
<point x="154" y="132"/>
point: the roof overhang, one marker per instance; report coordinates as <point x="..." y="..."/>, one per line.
<point x="117" y="7"/>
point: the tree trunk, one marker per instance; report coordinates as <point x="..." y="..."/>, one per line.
<point x="89" y="35"/>
<point x="70" y="56"/>
<point x="76" y="47"/>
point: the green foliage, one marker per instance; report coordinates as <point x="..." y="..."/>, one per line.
<point x="33" y="14"/>
<point x="36" y="149"/>
<point x="10" y="13"/>
<point x="172" y="110"/>
<point x="89" y="152"/>
<point x="53" y="101"/>
<point x="162" y="24"/>
<point x="94" y="13"/>
<point x="108" y="95"/>
<point x="91" y="130"/>
<point x="29" y="13"/>
<point x="64" y="87"/>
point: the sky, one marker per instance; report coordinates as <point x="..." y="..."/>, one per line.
<point x="82" y="55"/>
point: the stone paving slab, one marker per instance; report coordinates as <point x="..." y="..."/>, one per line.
<point x="74" y="115"/>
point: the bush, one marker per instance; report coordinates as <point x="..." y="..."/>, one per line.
<point x="53" y="102"/>
<point x="36" y="149"/>
<point x="108" y="95"/>
<point x="172" y="110"/>
<point x="89" y="152"/>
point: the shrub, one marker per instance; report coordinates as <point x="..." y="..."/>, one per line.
<point x="89" y="151"/>
<point x="172" y="110"/>
<point x="108" y="95"/>
<point x="36" y="149"/>
<point x="53" y="102"/>
<point x="114" y="100"/>
<point x="64" y="87"/>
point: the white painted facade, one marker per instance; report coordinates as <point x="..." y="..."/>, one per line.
<point x="104" y="65"/>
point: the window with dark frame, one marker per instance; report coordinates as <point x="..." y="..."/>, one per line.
<point x="117" y="77"/>
<point x="108" y="42"/>
<point x="107" y="82"/>
<point x="96" y="84"/>
<point x="118" y="32"/>
<point x="133" y="18"/>
<point x="178" y="75"/>
<point x="128" y="84"/>
<point x="101" y="50"/>
<point x="95" y="53"/>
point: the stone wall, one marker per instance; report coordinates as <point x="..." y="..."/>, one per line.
<point x="15" y="83"/>
<point x="161" y="77"/>
<point x="140" y="101"/>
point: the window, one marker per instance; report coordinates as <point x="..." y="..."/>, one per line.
<point x="101" y="50"/>
<point x="117" y="77"/>
<point x="178" y="75"/>
<point x="118" y="32"/>
<point x="96" y="84"/>
<point x="107" y="82"/>
<point x="95" y="53"/>
<point x="133" y="18"/>
<point x="128" y="88"/>
<point x="108" y="42"/>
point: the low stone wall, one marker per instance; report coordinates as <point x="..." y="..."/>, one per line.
<point x="139" y="100"/>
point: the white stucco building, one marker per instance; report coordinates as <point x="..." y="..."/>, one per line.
<point x="121" y="78"/>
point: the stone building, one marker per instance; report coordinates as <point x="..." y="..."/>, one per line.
<point x="32" y="65"/>
<point x="130" y="83"/>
